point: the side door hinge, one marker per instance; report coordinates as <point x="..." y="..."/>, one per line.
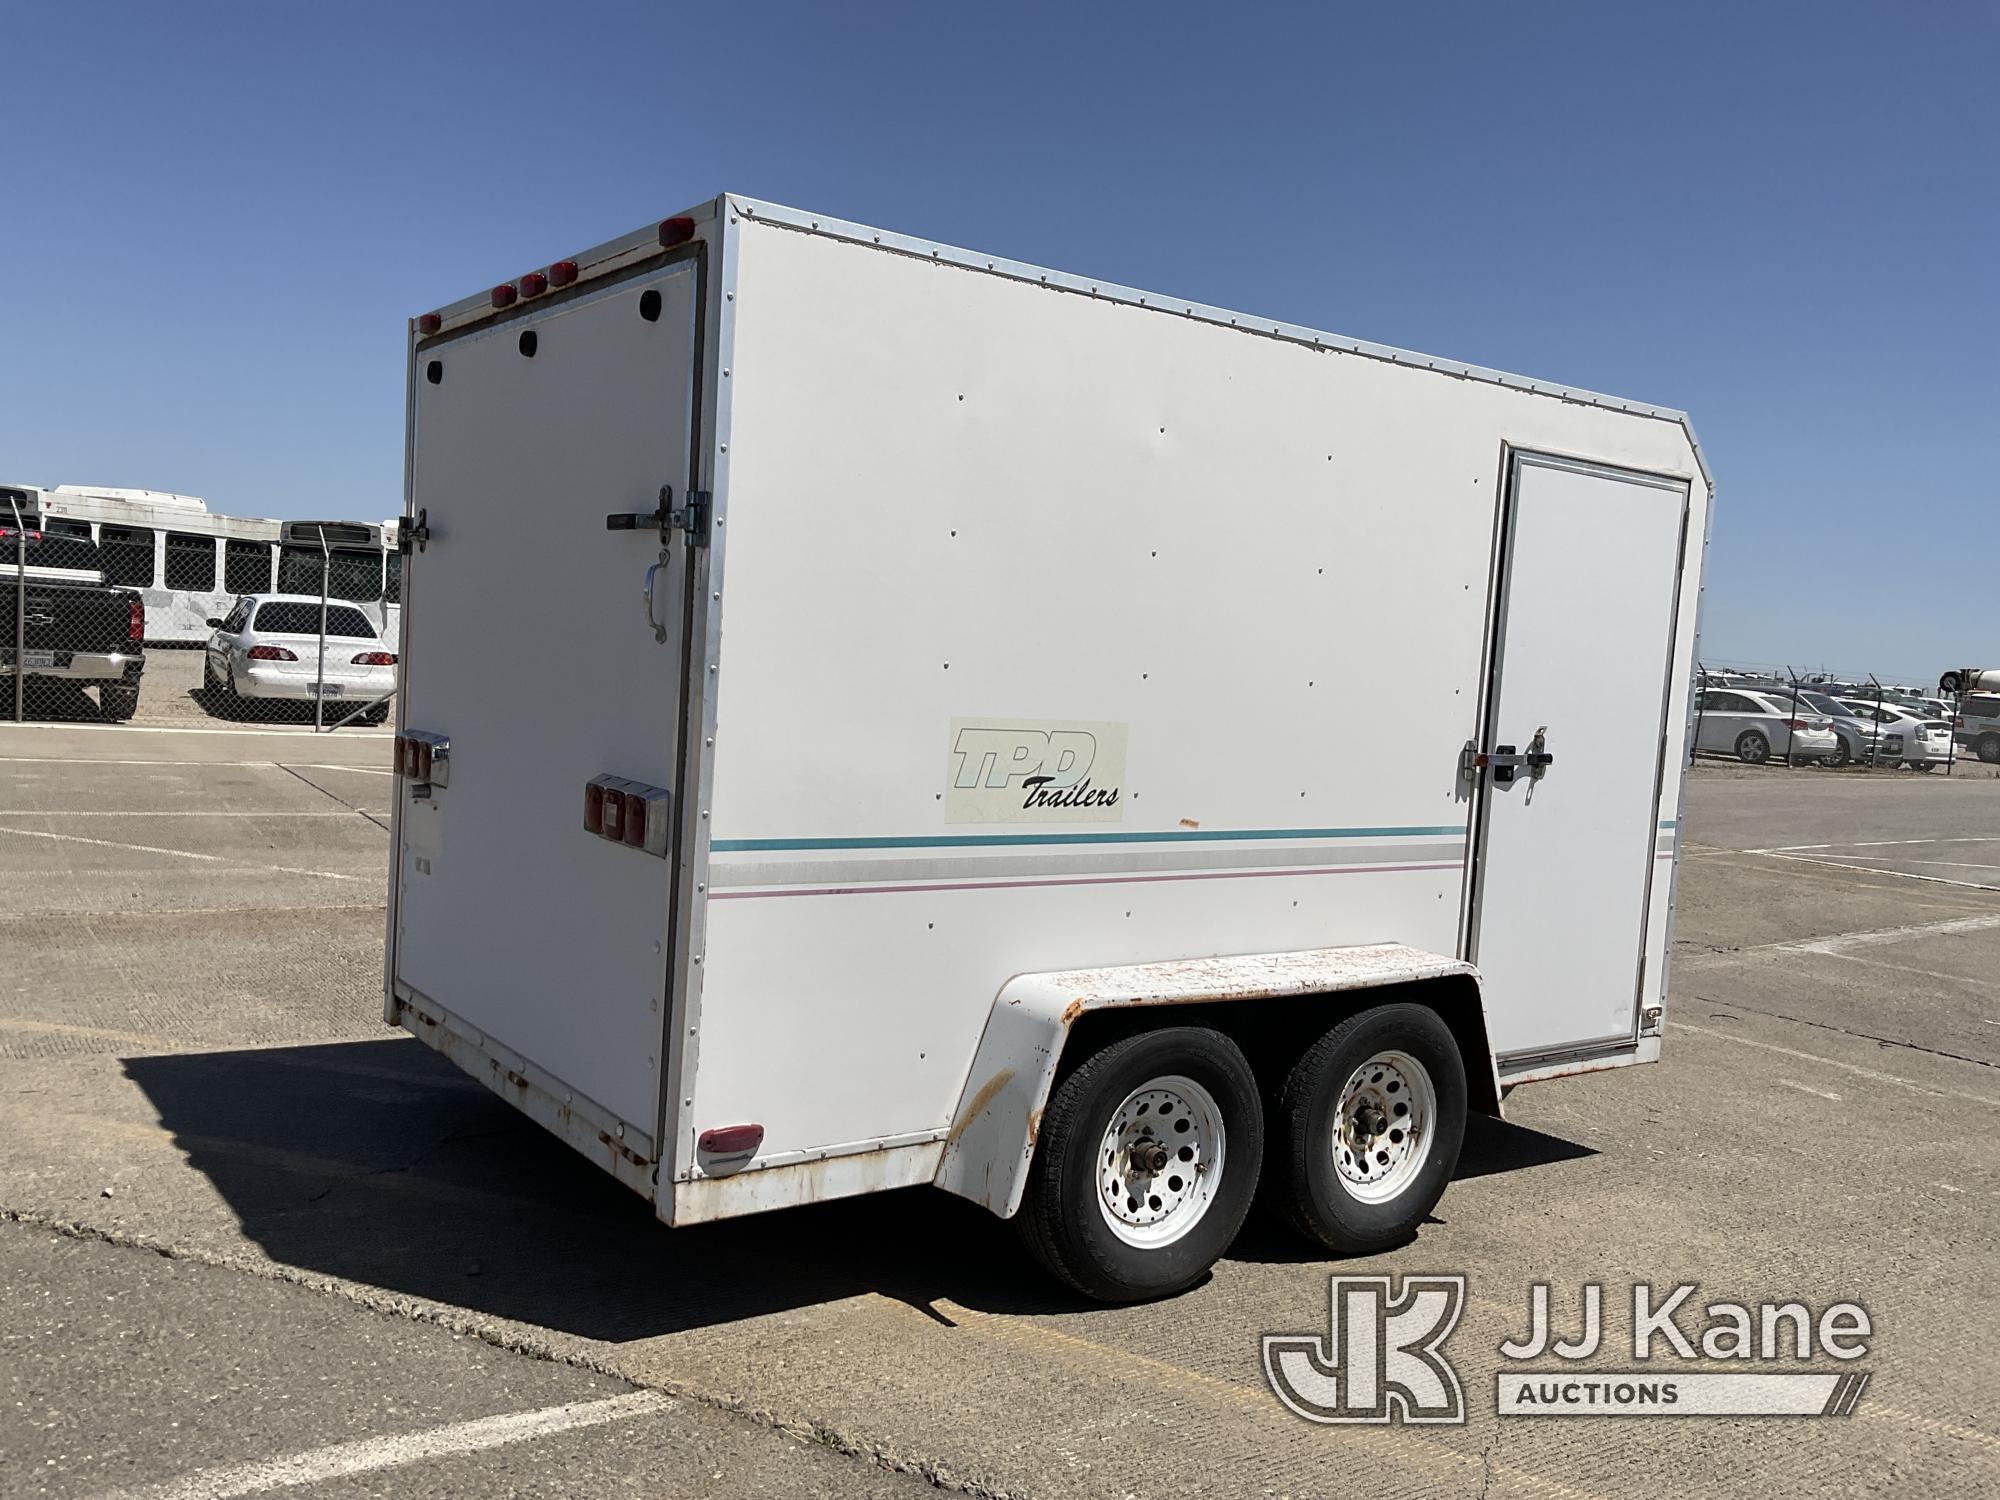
<point x="414" y="532"/>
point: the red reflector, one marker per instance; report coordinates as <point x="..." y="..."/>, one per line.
<point x="593" y="808"/>
<point x="430" y="323"/>
<point x="504" y="294"/>
<point x="675" y="232"/>
<point x="375" y="659"/>
<point x="731" y="1140"/>
<point x="271" y="653"/>
<point x="562" y="273"/>
<point x="135" y="620"/>
<point x="634" y="828"/>
<point x="534" y="284"/>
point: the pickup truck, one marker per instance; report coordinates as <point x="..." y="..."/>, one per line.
<point x="60" y="620"/>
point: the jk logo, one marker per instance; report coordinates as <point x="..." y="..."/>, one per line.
<point x="1382" y="1358"/>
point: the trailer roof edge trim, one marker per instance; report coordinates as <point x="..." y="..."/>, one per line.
<point x="758" y="211"/>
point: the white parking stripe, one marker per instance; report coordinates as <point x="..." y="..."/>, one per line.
<point x="1984" y="838"/>
<point x="197" y="765"/>
<point x="1840" y="942"/>
<point x="367" y="1455"/>
<point x="77" y="838"/>
<point x="1869" y="1073"/>
<point x="286" y="733"/>
<point x="1837" y="864"/>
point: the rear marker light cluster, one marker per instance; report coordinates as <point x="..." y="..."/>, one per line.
<point x="675" y="232"/>
<point x="628" y="812"/>
<point x="424" y="761"/>
<point x="562" y="273"/>
<point x="430" y="323"/>
<point x="534" y="284"/>
<point x="504" y="294"/>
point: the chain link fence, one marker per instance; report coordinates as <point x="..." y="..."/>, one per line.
<point x="1840" y="724"/>
<point x="105" y="623"/>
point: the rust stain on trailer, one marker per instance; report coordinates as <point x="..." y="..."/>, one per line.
<point x="988" y="1091"/>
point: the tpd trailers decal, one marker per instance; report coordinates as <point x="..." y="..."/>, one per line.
<point x="1034" y="771"/>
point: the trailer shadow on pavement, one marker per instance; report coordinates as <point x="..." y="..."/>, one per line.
<point x="378" y="1162"/>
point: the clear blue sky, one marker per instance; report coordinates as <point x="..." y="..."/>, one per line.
<point x="1783" y="218"/>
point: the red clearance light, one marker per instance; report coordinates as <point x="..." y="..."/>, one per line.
<point x="534" y="284"/>
<point x="675" y="232"/>
<point x="430" y="323"/>
<point x="375" y="659"/>
<point x="504" y="294"/>
<point x="632" y="828"/>
<point x="562" y="273"/>
<point x="593" y="808"/>
<point x="420" y="760"/>
<point x="271" y="653"/>
<point x="730" y="1140"/>
<point x="135" y="619"/>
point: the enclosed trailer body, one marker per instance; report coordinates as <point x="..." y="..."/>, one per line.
<point x="1001" y="663"/>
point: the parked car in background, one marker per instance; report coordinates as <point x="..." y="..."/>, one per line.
<point x="75" y="628"/>
<point x="1977" y="725"/>
<point x="268" y="648"/>
<point x="1908" y="736"/>
<point x="1858" y="737"/>
<point x="1755" y="726"/>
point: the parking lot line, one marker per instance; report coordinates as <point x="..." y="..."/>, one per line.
<point x="1837" y="864"/>
<point x="369" y="1455"/>
<point x="77" y="838"/>
<point x="1840" y="942"/>
<point x="1871" y="1074"/>
<point x="282" y="731"/>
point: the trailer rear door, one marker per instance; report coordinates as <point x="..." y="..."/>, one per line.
<point x="527" y="647"/>
<point x="1590" y="568"/>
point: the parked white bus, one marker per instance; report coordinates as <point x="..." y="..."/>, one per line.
<point x="190" y="565"/>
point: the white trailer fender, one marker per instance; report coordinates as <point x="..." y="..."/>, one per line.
<point x="992" y="1137"/>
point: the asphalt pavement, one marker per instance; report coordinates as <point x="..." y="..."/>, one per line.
<point x="240" y="1204"/>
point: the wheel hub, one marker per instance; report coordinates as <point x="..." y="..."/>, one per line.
<point x="1382" y="1129"/>
<point x="1159" y="1161"/>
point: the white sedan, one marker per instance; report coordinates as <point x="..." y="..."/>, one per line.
<point x="1904" y="735"/>
<point x="268" y="647"/>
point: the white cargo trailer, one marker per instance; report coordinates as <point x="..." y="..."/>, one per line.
<point x="986" y="727"/>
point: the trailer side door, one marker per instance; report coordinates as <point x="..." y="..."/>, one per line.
<point x="1588" y="576"/>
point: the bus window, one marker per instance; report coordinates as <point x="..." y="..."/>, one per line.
<point x="65" y="526"/>
<point x="392" y="589"/>
<point x="128" y="556"/>
<point x="357" y="575"/>
<point x="246" y="567"/>
<point x="353" y="574"/>
<point x="191" y="562"/>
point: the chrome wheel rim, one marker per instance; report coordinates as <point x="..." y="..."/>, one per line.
<point x="1382" y="1130"/>
<point x="1160" y="1161"/>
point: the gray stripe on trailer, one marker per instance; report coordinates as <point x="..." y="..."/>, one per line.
<point x="738" y="874"/>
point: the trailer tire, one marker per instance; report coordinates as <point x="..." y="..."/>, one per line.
<point x="1097" y="1143"/>
<point x="118" y="703"/>
<point x="1378" y="1067"/>
<point x="1752" y="748"/>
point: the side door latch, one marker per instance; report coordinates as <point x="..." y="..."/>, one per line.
<point x="690" y="518"/>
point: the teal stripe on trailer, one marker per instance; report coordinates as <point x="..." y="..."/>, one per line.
<point x="997" y="840"/>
